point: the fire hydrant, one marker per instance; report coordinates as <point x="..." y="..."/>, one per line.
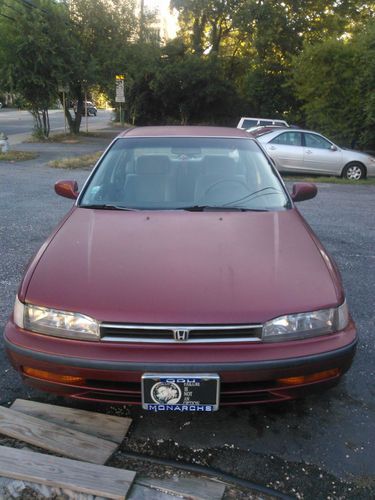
<point x="4" y="144"/>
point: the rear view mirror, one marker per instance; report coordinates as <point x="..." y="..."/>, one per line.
<point x="67" y="189"/>
<point x="304" y="191"/>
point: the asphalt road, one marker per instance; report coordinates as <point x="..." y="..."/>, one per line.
<point x="13" y="122"/>
<point x="319" y="447"/>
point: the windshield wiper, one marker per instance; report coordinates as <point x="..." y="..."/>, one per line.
<point x="201" y="208"/>
<point x="107" y="206"/>
<point x="255" y="194"/>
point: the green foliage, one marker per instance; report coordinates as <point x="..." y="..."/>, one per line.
<point x="78" y="43"/>
<point x="324" y="80"/>
<point x="309" y="62"/>
<point x="365" y="44"/>
<point x="335" y="81"/>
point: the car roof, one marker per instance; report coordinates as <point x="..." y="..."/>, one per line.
<point x="266" y="129"/>
<point x="185" y="131"/>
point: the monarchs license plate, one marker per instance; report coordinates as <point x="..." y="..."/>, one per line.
<point x="180" y="392"/>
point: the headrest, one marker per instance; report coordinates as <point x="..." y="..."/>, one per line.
<point x="152" y="164"/>
<point x="221" y="165"/>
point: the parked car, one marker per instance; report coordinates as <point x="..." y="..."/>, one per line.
<point x="182" y="279"/>
<point x="297" y="150"/>
<point x="246" y="123"/>
<point x="91" y="109"/>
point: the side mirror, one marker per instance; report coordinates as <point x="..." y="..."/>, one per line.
<point x="333" y="148"/>
<point x="67" y="189"/>
<point x="303" y="191"/>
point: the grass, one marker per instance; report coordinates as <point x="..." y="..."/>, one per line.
<point x="68" y="138"/>
<point x="82" y="162"/>
<point x="14" y="156"/>
<point x="326" y="179"/>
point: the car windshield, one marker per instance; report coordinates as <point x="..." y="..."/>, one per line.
<point x="169" y="173"/>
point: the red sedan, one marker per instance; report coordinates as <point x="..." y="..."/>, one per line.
<point x="182" y="279"/>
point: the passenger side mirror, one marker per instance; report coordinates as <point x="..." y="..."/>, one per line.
<point x="333" y="148"/>
<point x="67" y="189"/>
<point x="303" y="191"/>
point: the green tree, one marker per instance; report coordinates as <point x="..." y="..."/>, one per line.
<point x="28" y="43"/>
<point x="78" y="43"/>
<point x="365" y="70"/>
<point x="327" y="80"/>
<point x="100" y="32"/>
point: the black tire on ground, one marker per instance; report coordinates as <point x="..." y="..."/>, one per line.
<point x="354" y="171"/>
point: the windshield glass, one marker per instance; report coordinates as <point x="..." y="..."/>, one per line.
<point x="166" y="173"/>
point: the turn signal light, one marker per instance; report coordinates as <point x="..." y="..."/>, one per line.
<point x="53" y="377"/>
<point x="313" y="377"/>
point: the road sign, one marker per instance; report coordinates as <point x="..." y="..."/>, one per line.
<point x="63" y="87"/>
<point x="120" y="88"/>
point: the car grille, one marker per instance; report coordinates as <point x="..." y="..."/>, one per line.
<point x="114" y="332"/>
<point x="242" y="393"/>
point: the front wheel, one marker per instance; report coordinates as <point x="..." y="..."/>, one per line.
<point x="354" y="172"/>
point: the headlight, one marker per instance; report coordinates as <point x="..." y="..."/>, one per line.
<point x="303" y="325"/>
<point x="56" y="323"/>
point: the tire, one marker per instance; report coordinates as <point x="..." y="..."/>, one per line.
<point x="354" y="171"/>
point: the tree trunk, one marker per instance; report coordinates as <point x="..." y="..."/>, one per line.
<point x="46" y="125"/>
<point x="74" y="124"/>
<point x="41" y="123"/>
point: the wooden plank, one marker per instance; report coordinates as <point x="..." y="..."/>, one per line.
<point x="54" y="437"/>
<point x="63" y="473"/>
<point x="107" y="427"/>
<point x="192" y="488"/>
<point x="139" y="492"/>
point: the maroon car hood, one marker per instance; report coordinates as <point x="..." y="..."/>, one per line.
<point x="181" y="267"/>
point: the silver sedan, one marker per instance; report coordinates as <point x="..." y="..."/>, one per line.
<point x="295" y="150"/>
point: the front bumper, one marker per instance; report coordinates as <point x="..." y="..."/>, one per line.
<point x="248" y="372"/>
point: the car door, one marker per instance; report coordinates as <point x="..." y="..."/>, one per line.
<point x="320" y="155"/>
<point x="287" y="151"/>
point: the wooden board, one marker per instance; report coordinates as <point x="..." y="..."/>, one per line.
<point x="54" y="437"/>
<point x="63" y="473"/>
<point x="139" y="492"/>
<point x="192" y="488"/>
<point x="103" y="426"/>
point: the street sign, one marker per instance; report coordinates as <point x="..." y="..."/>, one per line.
<point x="120" y="88"/>
<point x="63" y="87"/>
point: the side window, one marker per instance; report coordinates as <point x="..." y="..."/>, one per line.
<point x="316" y="141"/>
<point x="249" y="123"/>
<point x="288" y="139"/>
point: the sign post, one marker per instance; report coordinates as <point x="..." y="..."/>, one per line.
<point x="64" y="89"/>
<point x="120" y="94"/>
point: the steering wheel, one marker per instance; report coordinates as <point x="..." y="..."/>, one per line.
<point x="235" y="182"/>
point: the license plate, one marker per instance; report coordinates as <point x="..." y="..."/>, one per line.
<point x="180" y="392"/>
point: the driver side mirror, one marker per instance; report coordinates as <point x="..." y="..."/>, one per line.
<point x="67" y="189"/>
<point x="303" y="191"/>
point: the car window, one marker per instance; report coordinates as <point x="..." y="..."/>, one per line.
<point x="316" y="141"/>
<point x="288" y="139"/>
<point x="249" y="123"/>
<point x="265" y="122"/>
<point x="176" y="172"/>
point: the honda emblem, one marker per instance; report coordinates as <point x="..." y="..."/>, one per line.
<point x="181" y="335"/>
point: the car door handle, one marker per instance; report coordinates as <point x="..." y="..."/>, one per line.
<point x="272" y="147"/>
<point x="308" y="152"/>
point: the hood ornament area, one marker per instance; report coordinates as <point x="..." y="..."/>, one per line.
<point x="181" y="335"/>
